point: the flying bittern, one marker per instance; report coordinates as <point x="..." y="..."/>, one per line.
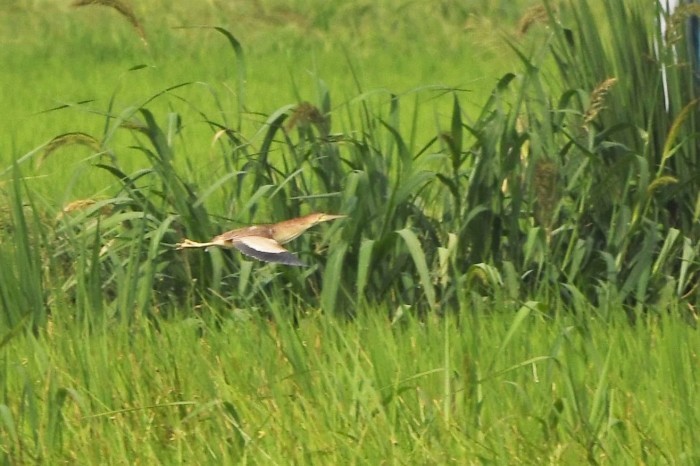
<point x="264" y="242"/>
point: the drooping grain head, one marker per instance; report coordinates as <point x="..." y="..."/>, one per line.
<point x="537" y="14"/>
<point x="120" y="7"/>
<point x="75" y="138"/>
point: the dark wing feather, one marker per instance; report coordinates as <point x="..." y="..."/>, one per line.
<point x="267" y="250"/>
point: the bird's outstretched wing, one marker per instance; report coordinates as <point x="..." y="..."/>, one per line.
<point x="266" y="249"/>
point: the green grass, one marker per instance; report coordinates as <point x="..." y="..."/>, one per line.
<point x="516" y="388"/>
<point x="92" y="54"/>
<point x="86" y="53"/>
<point x="515" y="283"/>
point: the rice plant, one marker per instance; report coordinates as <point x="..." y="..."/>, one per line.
<point x="485" y="385"/>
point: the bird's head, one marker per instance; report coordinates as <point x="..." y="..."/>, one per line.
<point x="288" y="230"/>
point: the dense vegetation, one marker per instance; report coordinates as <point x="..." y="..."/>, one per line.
<point x="562" y="187"/>
<point x="477" y="301"/>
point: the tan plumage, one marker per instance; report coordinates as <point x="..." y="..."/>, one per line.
<point x="264" y="242"/>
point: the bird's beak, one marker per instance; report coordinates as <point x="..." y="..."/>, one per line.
<point x="327" y="217"/>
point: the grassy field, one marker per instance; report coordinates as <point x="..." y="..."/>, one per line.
<point x="485" y="386"/>
<point x="516" y="281"/>
<point x="91" y="60"/>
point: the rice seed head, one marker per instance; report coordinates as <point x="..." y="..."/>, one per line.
<point x="597" y="100"/>
<point x="120" y="7"/>
<point x="80" y="204"/>
<point x="67" y="139"/>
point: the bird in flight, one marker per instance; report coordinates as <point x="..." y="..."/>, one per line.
<point x="264" y="242"/>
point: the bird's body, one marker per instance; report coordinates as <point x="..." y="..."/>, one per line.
<point x="264" y="242"/>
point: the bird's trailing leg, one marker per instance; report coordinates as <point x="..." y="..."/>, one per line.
<point x="187" y="243"/>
